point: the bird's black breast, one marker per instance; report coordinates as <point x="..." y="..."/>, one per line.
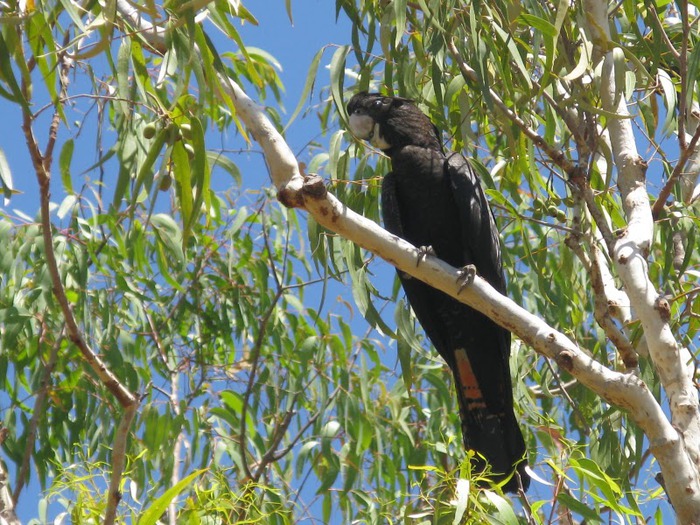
<point x="426" y="204"/>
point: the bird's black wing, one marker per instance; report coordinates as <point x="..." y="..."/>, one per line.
<point x="481" y="247"/>
<point x="480" y="237"/>
<point x="493" y="429"/>
<point x="391" y="214"/>
<point x="421" y="296"/>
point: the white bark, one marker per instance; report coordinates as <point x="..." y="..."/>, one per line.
<point x="689" y="177"/>
<point x="7" y="506"/>
<point x="630" y="252"/>
<point x="623" y="390"/>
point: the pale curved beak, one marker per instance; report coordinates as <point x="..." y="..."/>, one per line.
<point x="362" y="126"/>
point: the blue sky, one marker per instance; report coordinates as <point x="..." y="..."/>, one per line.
<point x="293" y="45"/>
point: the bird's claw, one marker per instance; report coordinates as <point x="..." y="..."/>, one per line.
<point x="466" y="276"/>
<point x="423" y="252"/>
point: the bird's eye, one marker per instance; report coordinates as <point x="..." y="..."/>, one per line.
<point x="377" y="104"/>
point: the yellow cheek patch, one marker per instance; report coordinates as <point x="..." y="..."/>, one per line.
<point x="468" y="382"/>
<point x="378" y="140"/>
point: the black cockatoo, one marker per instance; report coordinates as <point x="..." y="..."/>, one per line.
<point x="434" y="200"/>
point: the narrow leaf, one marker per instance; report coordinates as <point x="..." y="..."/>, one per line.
<point x="669" y="100"/>
<point x="337" y="78"/>
<point x="183" y="176"/>
<point x="579" y="508"/>
<point x="8" y="75"/>
<point x="308" y="86"/>
<point x="505" y="510"/>
<point x="64" y="161"/>
<point x="5" y="175"/>
<point x="399" y="20"/>
<point x="692" y="76"/>
<point x="540" y="24"/>
<point x="159" y="506"/>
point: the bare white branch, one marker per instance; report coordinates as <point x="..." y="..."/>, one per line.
<point x="623" y="390"/>
<point x="691" y="173"/>
<point x="7" y="506"/>
<point x="629" y="253"/>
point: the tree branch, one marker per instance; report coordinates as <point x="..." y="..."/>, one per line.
<point x="255" y="357"/>
<point x="7" y="505"/>
<point x="121" y="440"/>
<point x="619" y="389"/>
<point x="42" y="166"/>
<point x="629" y="254"/>
<point x="691" y="170"/>
<point x="601" y="303"/>
<point x="687" y="154"/>
<point x="623" y="390"/>
<point x="555" y="154"/>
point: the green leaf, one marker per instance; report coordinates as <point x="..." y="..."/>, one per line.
<point x="403" y="350"/>
<point x="583" y="63"/>
<point x="461" y="500"/>
<point x="576" y="506"/>
<point x="64" y="161"/>
<point x="146" y="171"/>
<point x="5" y="176"/>
<point x="337" y="79"/>
<point x="693" y="75"/>
<point x="170" y="237"/>
<point x="183" y="177"/>
<point x="619" y="68"/>
<point x="545" y="26"/>
<point x="8" y="75"/>
<point x="123" y="84"/>
<point x="308" y="86"/>
<point x="514" y="53"/>
<point x="505" y="510"/>
<point x="202" y="173"/>
<point x="399" y="20"/>
<point x="669" y="93"/>
<point x="153" y="513"/>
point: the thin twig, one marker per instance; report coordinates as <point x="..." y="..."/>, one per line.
<point x="658" y="206"/>
<point x="42" y="167"/>
<point x="553" y="153"/>
<point x="659" y="27"/>
<point x="601" y="311"/>
<point x="602" y="305"/>
<point x="565" y="393"/>
<point x="277" y="435"/>
<point x="554" y="226"/>
<point x="273" y="266"/>
<point x="121" y="439"/>
<point x="683" y="71"/>
<point x="255" y="356"/>
<point x="597" y="214"/>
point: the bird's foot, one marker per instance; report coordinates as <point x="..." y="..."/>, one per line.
<point x="423" y="252"/>
<point x="466" y="276"/>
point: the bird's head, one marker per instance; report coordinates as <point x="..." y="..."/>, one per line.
<point x="388" y="122"/>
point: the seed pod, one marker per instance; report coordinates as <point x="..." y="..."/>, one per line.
<point x="149" y="130"/>
<point x="165" y="182"/>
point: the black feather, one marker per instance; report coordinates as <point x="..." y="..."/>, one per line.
<point x="431" y="199"/>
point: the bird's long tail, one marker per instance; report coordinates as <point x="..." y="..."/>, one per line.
<point x="494" y="435"/>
